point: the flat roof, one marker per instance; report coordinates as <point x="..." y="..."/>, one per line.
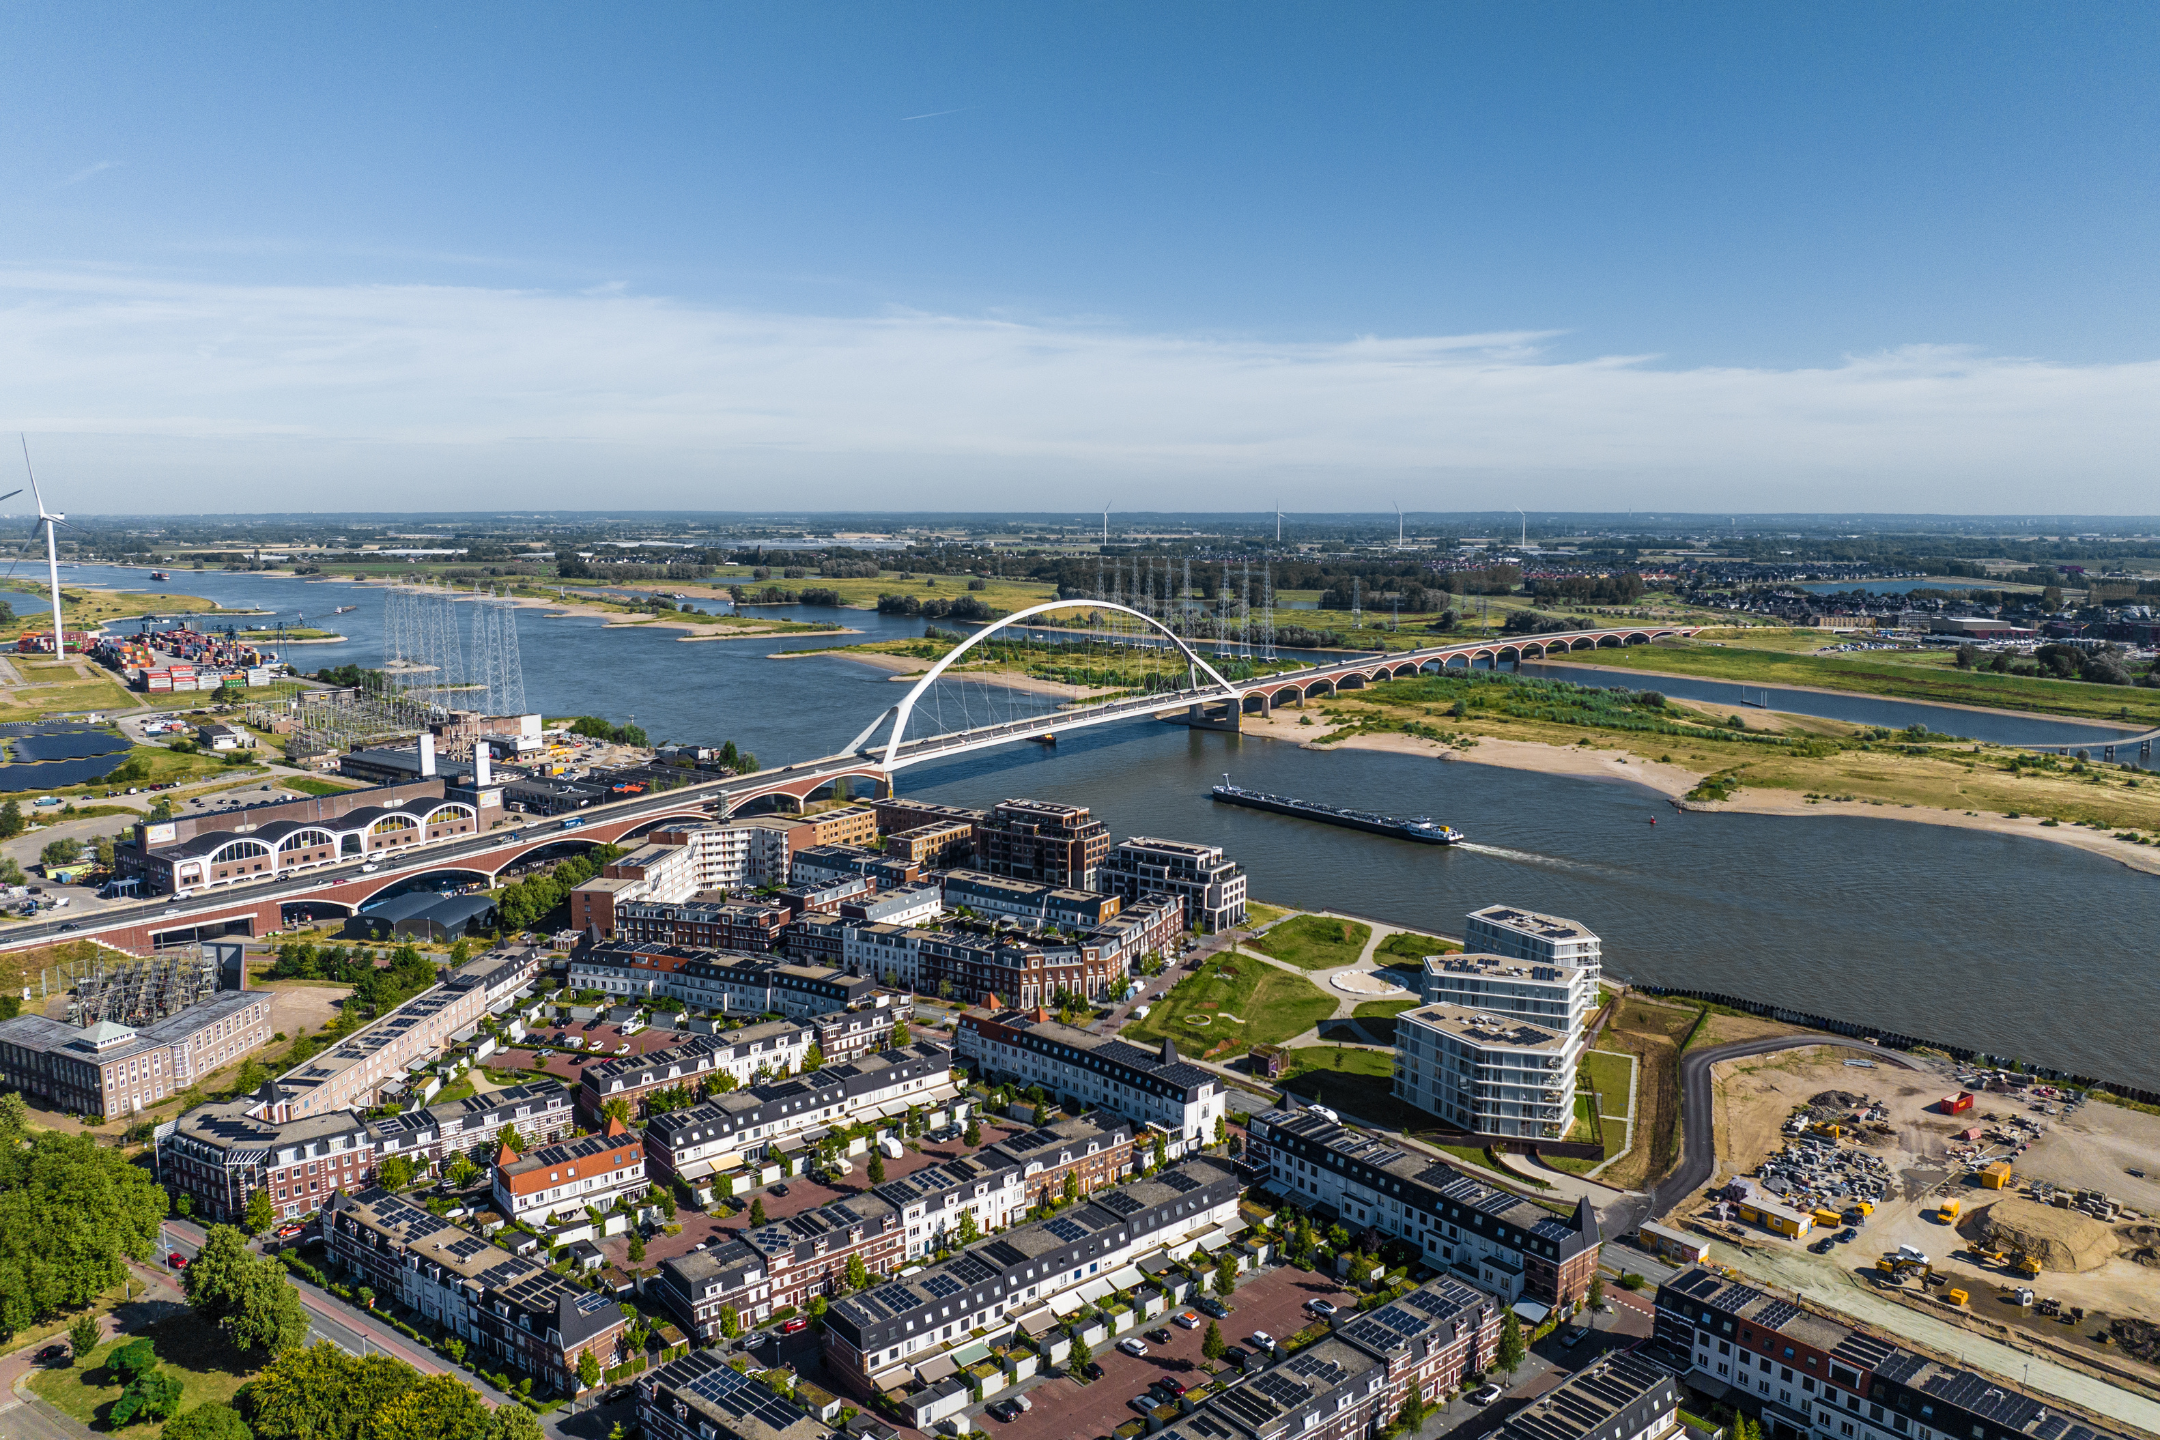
<point x="1481" y="1027"/>
<point x="1534" y="922"/>
<point x="1504" y="967"/>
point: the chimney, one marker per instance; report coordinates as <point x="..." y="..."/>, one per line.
<point x="427" y="753"/>
<point x="480" y="764"/>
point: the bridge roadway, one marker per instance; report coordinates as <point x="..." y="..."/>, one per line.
<point x="138" y="927"/>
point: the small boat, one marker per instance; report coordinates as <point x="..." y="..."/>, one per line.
<point x="344" y="609"/>
<point x="159" y="575"/>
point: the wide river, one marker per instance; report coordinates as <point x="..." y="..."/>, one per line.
<point x="1955" y="935"/>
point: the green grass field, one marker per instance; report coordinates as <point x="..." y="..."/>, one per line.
<point x="1405" y="946"/>
<point x="1257" y="914"/>
<point x="1315" y="942"/>
<point x="208" y="1369"/>
<point x="1256" y="1005"/>
<point x="1870" y="674"/>
<point x="1606" y="1073"/>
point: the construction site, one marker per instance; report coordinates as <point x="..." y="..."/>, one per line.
<point x="2002" y="1204"/>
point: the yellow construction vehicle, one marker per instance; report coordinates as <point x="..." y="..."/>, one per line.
<point x="1900" y="1268"/>
<point x="2024" y="1264"/>
<point x="1825" y="1129"/>
<point x="1947" y="1211"/>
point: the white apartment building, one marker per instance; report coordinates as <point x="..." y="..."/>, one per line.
<point x="1529" y="935"/>
<point x="1491" y="1074"/>
<point x="1146" y="1087"/>
<point x="889" y="953"/>
<point x="1558" y="997"/>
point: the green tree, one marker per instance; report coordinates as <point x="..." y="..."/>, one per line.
<point x="11" y="820"/>
<point x="321" y="1393"/>
<point x="133" y="1360"/>
<point x="153" y="1395"/>
<point x="813" y="1059"/>
<point x="877" y="1166"/>
<point x="1415" y="1408"/>
<point x="268" y="1316"/>
<point x="588" y="1370"/>
<point x="1222" y="1131"/>
<point x="757" y="1211"/>
<point x="396" y="1172"/>
<point x="617" y="1108"/>
<point x="901" y="1035"/>
<point x="261" y="1213"/>
<point x="462" y="1170"/>
<point x="71" y="1213"/>
<point x="1081" y="1353"/>
<point x="1597" y="1291"/>
<point x="730" y="1324"/>
<point x="1511" y="1352"/>
<point x="1212" y="1344"/>
<point x="973" y="1138"/>
<point x="637" y="1247"/>
<point x="858" y="1274"/>
<point x="969" y="1231"/>
<point x="1226" y="1276"/>
<point x="210" y="1421"/>
<point x="435" y="1407"/>
<point x="83" y="1336"/>
<point x="1072" y="1186"/>
<point x="216" y="1277"/>
<point x="1162" y="1150"/>
<point x="64" y="851"/>
<point x="514" y="1422"/>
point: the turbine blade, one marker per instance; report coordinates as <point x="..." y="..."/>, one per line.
<point x="36" y="493"/>
<point x="12" y="493"/>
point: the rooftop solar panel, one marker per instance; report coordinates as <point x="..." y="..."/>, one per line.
<point x="1179" y="1181"/>
<point x="941" y="1286"/>
<point x="1066" y="1230"/>
<point x="468" y="1247"/>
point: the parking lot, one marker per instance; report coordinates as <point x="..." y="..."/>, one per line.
<point x="567" y="1064"/>
<point x="1066" y="1408"/>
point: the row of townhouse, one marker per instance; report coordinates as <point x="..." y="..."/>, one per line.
<point x="567" y="1177"/>
<point x="218" y="1155"/>
<point x="1000" y="1183"/>
<point x="782" y="1264"/>
<point x="1514" y="1247"/>
<point x="1810" y="1376"/>
<point x="109" y="1070"/>
<point x="702" y="1397"/>
<point x="749" y="1124"/>
<point x="1150" y="1088"/>
<point x="749" y="1055"/>
<point x="514" y="1313"/>
<point x="1350" y="1383"/>
<point x="730" y="982"/>
<point x="873" y="1336"/>
<point x="350" y="1075"/>
<point x="974" y="961"/>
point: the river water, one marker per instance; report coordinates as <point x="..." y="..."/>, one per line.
<point x="2014" y="945"/>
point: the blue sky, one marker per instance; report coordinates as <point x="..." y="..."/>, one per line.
<point x="1656" y="255"/>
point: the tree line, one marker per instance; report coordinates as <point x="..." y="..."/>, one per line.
<point x="526" y="903"/>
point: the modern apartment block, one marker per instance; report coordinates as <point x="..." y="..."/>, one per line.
<point x="1558" y="997"/>
<point x="108" y="1070"/>
<point x="753" y="1123"/>
<point x="1146" y="1086"/>
<point x="1513" y="1247"/>
<point x="1811" y="1376"/>
<point x="1529" y="935"/>
<point x="1036" y="901"/>
<point x="872" y="1337"/>
<point x="1061" y="845"/>
<point x="1212" y="887"/>
<point x="1621" y="1396"/>
<point x="1485" y="1073"/>
<point x="935" y="845"/>
<point x="515" y="1313"/>
<point x="898" y="814"/>
<point x="730" y="981"/>
<point x="566" y="1177"/>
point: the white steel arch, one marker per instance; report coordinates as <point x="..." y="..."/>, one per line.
<point x="906" y="707"/>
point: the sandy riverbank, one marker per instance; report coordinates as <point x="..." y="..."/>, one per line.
<point x="1674" y="781"/>
<point x="616" y="620"/>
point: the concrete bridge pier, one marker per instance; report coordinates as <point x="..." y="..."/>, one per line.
<point x="1221" y="715"/>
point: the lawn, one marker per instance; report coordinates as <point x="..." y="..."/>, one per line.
<point x="1651" y="1033"/>
<point x="208" y="1369"/>
<point x="1257" y="914"/>
<point x="307" y="785"/>
<point x="1862" y="672"/>
<point x="1256" y="1004"/>
<point x="1606" y="1073"/>
<point x="1378" y="1017"/>
<point x="1315" y="942"/>
<point x="1405" y="946"/>
<point x="1360" y="1084"/>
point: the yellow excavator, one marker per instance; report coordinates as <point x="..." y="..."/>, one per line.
<point x="2024" y="1264"/>
<point x="1900" y="1268"/>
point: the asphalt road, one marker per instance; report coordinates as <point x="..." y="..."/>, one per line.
<point x="1698" y="1159"/>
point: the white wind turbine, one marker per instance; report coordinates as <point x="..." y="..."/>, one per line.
<point x="51" y="521"/>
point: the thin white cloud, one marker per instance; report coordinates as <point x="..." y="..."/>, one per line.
<point x="87" y="171"/>
<point x="158" y="394"/>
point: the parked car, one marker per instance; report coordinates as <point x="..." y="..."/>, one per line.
<point x="1261" y="1340"/>
<point x="177" y="1260"/>
<point x="1157" y="1337"/>
<point x="780" y="1191"/>
<point x="1237" y="1357"/>
<point x="794" y="1326"/>
<point x="1132" y="1347"/>
<point x="620" y="1392"/>
<point x="1145" y="1404"/>
<point x="1093" y="1370"/>
<point x="286" y="1232"/>
<point x="51" y="1353"/>
<point x="623" y="1049"/>
<point x="1005" y="1410"/>
<point x="1209" y="1305"/>
<point x="1485" y="1395"/>
<point x="1847" y="1235"/>
<point x="1187" y="1320"/>
<point x="1171" y="1385"/>
<point x="1572" y="1336"/>
<point x="1319" y="1309"/>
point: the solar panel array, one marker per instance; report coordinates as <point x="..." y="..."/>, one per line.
<point x="744" y="1398"/>
<point x="941" y="1286"/>
<point x="1119" y="1203"/>
<point x="1066" y="1230"/>
<point x="470" y="1246"/>
<point x="68" y="745"/>
<point x="971" y="1270"/>
<point x="1776" y="1315"/>
<point x="54" y="773"/>
<point x="1179" y="1181"/>
<point x="1324" y="1371"/>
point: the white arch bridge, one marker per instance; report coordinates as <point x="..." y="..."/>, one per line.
<point x="1210" y="699"/>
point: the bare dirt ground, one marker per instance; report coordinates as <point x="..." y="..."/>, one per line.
<point x="2095" y="1149"/>
<point x="298" y="1005"/>
<point x="1650" y="1032"/>
<point x="1724" y="1029"/>
<point x="1756" y="1095"/>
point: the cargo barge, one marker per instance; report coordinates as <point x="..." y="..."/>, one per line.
<point x="1417" y="827"/>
